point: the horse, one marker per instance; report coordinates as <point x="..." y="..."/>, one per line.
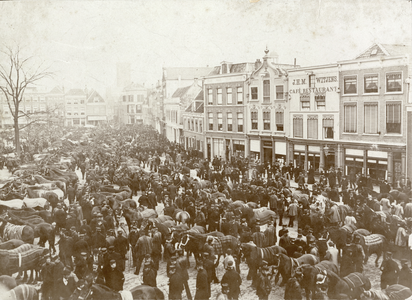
<point x="21" y="292"/>
<point x="181" y="216"/>
<point x="393" y="292"/>
<point x="374" y="243"/>
<point x="286" y="265"/>
<point x="255" y="256"/>
<point x="141" y="292"/>
<point x="11" y="244"/>
<point x="352" y="285"/>
<point x="308" y="273"/>
<point x="8" y="281"/>
<point x="10" y="231"/>
<point x="293" y="291"/>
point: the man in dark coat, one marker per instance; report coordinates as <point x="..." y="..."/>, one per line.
<point x="48" y="279"/>
<point x="233" y="279"/>
<point x="181" y="267"/>
<point x="168" y="253"/>
<point x="175" y="284"/>
<point x="263" y="285"/>
<point x="149" y="275"/>
<point x="151" y="197"/>
<point x="143" y="247"/>
<point x="121" y="246"/>
<point x="210" y="268"/>
<point x="390" y="271"/>
<point x="144" y="200"/>
<point x="156" y="247"/>
<point x="270" y="234"/>
<point x="133" y="237"/>
<point x="59" y="217"/>
<point x="71" y="193"/>
<point x="281" y="208"/>
<point x="405" y="274"/>
<point x="65" y="286"/>
<point x="202" y="283"/>
<point x="114" y="277"/>
<point x="99" y="239"/>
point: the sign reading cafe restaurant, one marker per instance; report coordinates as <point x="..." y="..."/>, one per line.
<point x="312" y="85"/>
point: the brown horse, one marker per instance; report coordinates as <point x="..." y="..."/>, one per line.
<point x="98" y="292"/>
<point x="11" y="244"/>
<point x="286" y="265"/>
<point x="9" y="231"/>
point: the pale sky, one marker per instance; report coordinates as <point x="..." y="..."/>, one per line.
<point x="83" y="40"/>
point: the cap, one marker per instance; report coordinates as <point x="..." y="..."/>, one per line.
<point x="112" y="261"/>
<point x="111" y="248"/>
<point x="83" y="253"/>
<point x="205" y="253"/>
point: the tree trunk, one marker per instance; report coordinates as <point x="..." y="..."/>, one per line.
<point x="17" y="136"/>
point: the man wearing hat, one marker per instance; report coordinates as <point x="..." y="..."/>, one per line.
<point x="263" y="285"/>
<point x="48" y="279"/>
<point x="390" y="271"/>
<point x="175" y="284"/>
<point x="270" y="233"/>
<point x="142" y="247"/>
<point x="234" y="280"/>
<point x="280" y="206"/>
<point x="181" y="267"/>
<point x="65" y="286"/>
<point x="202" y="283"/>
<point x="114" y="277"/>
<point x="121" y="246"/>
<point x="59" y="216"/>
<point x="358" y="254"/>
<point x="405" y="274"/>
<point x="149" y="274"/>
<point x="169" y="251"/>
<point x="81" y="269"/>
<point x="99" y="239"/>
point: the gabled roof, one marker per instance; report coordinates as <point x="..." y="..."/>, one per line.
<point x="95" y="96"/>
<point x="183" y="73"/>
<point x="180" y="92"/>
<point x="385" y="50"/>
<point x="134" y="86"/>
<point x="76" y="92"/>
<point x="196" y="107"/>
<point x="56" y="90"/>
<point x="200" y="96"/>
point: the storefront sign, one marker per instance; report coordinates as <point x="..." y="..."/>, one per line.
<point x="314" y="90"/>
<point x="267" y="144"/>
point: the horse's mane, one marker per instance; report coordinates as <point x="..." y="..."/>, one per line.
<point x="103" y="289"/>
<point x="197" y="236"/>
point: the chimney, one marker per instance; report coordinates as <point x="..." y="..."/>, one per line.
<point x="224" y="67"/>
<point x="257" y="64"/>
<point x="195" y="80"/>
<point x="294" y="63"/>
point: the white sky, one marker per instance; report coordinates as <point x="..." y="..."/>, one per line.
<point x="84" y="40"/>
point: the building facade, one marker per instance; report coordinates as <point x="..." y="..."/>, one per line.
<point x="96" y="109"/>
<point x="193" y="125"/>
<point x="267" y="111"/>
<point x="373" y="124"/>
<point x="225" y="110"/>
<point x="75" y="107"/>
<point x="314" y="117"/>
<point x="130" y="107"/>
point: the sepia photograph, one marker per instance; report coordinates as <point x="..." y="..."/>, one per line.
<point x="206" y="150"/>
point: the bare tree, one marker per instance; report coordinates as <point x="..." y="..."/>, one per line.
<point x="16" y="74"/>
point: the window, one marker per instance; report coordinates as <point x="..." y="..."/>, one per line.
<point x="393" y="118"/>
<point x="279" y="92"/>
<point x="219" y="121"/>
<point x="312" y="127"/>
<point x="254" y="119"/>
<point x="138" y="108"/>
<point x="82" y="101"/>
<point x="320" y="101"/>
<point x="254" y="92"/>
<point x="370" y="84"/>
<point x="371" y="118"/>
<point x="219" y="96"/>
<point x="229" y="99"/>
<point x="279" y="121"/>
<point x="124" y="99"/>
<point x="328" y="127"/>
<point x="305" y="101"/>
<point x="239" y="95"/>
<point x="229" y="121"/>
<point x="349" y="111"/>
<point x="298" y="126"/>
<point x="200" y="127"/>
<point x="394" y="82"/>
<point x="350" y="85"/>
<point x="266" y="90"/>
<point x="210" y="121"/>
<point x="196" y="127"/>
<point x="239" y="122"/>
<point x="131" y="98"/>
<point x="210" y="96"/>
<point x="266" y="120"/>
<point x="312" y="81"/>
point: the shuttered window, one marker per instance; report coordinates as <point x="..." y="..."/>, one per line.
<point x="279" y="120"/>
<point x="219" y="121"/>
<point x="371" y="118"/>
<point x="254" y="119"/>
<point x="210" y="121"/>
<point x="312" y="127"/>
<point x="266" y="120"/>
<point x="393" y="118"/>
<point x="239" y="122"/>
<point x="229" y="121"/>
<point x="298" y="126"/>
<point x="350" y="116"/>
<point x="266" y="90"/>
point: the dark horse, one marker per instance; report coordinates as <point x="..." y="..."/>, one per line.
<point x="9" y="231"/>
<point x="98" y="292"/>
<point x="286" y="266"/>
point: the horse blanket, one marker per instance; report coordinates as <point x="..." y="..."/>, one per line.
<point x="12" y="231"/>
<point x="12" y="262"/>
<point x="349" y="228"/>
<point x="265" y="215"/>
<point x="355" y="280"/>
<point x="149" y="213"/>
<point x="268" y="253"/>
<point x="373" y="239"/>
<point x="21" y="292"/>
<point x="35" y="202"/>
<point x="126" y="295"/>
<point x="23" y="248"/>
<point x="217" y="245"/>
<point x="398" y="292"/>
<point x="16" y="203"/>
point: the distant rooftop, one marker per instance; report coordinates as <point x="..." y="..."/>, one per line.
<point x="76" y="92"/>
<point x="385" y="50"/>
<point x="185" y="73"/>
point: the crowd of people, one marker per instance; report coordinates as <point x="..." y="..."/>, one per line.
<point x="95" y="249"/>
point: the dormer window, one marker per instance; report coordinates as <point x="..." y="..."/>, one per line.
<point x="374" y="52"/>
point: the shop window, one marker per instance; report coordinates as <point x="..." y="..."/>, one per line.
<point x="350" y="85"/>
<point x="210" y="96"/>
<point x="239" y="95"/>
<point x="279" y="120"/>
<point x="394" y="82"/>
<point x="239" y="122"/>
<point x="210" y="121"/>
<point x="350" y="115"/>
<point x="266" y="120"/>
<point x="370" y="83"/>
<point x="266" y="90"/>
<point x="371" y="118"/>
<point x="229" y="99"/>
<point x="328" y="128"/>
<point x="279" y="92"/>
<point x="219" y="97"/>
<point x="312" y="127"/>
<point x="229" y="121"/>
<point x="254" y="92"/>
<point x="219" y="121"/>
<point x="393" y="118"/>
<point x="298" y="126"/>
<point x="254" y="119"/>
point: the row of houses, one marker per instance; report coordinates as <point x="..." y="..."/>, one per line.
<point x="78" y="107"/>
<point x="354" y="114"/>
